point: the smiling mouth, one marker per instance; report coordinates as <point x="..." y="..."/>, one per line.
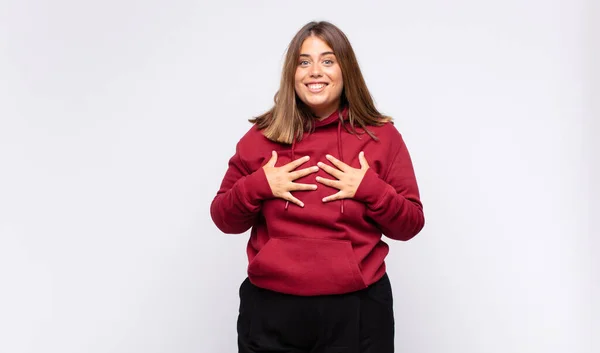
<point x="316" y="87"/>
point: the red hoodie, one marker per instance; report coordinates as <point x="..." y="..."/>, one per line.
<point x="323" y="248"/>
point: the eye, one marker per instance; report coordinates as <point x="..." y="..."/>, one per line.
<point x="328" y="62"/>
<point x="304" y="63"/>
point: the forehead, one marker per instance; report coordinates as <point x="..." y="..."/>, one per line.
<point x="314" y="46"/>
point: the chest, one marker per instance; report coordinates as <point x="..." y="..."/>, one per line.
<point x="345" y="147"/>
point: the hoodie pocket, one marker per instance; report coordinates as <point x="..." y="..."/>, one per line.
<point x="307" y="266"/>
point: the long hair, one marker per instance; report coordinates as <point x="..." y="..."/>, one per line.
<point x="289" y="118"/>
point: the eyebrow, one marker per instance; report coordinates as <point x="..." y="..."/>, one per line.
<point x="322" y="54"/>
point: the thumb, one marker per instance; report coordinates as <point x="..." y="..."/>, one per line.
<point x="363" y="161"/>
<point x="273" y="160"/>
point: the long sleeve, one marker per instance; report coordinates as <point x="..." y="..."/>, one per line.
<point x="393" y="200"/>
<point x="239" y="199"/>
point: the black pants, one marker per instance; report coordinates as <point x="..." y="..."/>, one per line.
<point x="358" y="322"/>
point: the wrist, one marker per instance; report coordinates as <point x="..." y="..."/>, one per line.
<point x="256" y="186"/>
<point x="371" y="188"/>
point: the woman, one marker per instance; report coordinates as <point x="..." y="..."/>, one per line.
<point x="319" y="179"/>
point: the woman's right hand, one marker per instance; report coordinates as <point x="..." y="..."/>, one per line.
<point x="281" y="178"/>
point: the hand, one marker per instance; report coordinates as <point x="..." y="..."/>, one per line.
<point x="281" y="178"/>
<point x="348" y="178"/>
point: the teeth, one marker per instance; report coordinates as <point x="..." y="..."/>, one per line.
<point x="316" y="86"/>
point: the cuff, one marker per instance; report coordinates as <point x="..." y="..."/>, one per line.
<point x="371" y="188"/>
<point x="255" y="187"/>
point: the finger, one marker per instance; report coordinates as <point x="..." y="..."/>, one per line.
<point x="273" y="160"/>
<point x="337" y="196"/>
<point x="303" y="187"/>
<point x="336" y="162"/>
<point x="333" y="183"/>
<point x="303" y="172"/>
<point x="295" y="164"/>
<point x="291" y="198"/>
<point x="363" y="161"/>
<point x="330" y="170"/>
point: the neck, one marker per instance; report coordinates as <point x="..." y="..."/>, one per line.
<point x="323" y="114"/>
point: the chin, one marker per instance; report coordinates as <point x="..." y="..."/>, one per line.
<point x="316" y="103"/>
<point x="315" y="107"/>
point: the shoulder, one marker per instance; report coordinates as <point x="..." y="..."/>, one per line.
<point x="254" y="149"/>
<point x="388" y="129"/>
<point x="388" y="135"/>
<point x="248" y="143"/>
<point x="252" y="138"/>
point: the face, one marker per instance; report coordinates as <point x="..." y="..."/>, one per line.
<point x="318" y="79"/>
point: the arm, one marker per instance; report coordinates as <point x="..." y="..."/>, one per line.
<point x="393" y="201"/>
<point x="239" y="199"/>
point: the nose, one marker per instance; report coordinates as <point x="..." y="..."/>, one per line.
<point x="315" y="71"/>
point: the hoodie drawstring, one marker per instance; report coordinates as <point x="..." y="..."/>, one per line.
<point x="340" y="154"/>
<point x="287" y="203"/>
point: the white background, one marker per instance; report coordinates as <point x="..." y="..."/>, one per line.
<point x="117" y="119"/>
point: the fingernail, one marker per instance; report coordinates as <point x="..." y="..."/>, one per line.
<point x="315" y="168"/>
<point x="301" y="204"/>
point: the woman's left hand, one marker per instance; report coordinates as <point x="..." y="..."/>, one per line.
<point x="348" y="178"/>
